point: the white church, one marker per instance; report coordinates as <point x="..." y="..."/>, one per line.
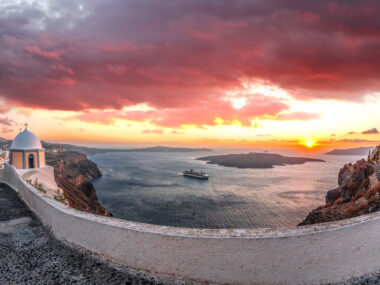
<point x="27" y="156"/>
<point x="26" y="151"/>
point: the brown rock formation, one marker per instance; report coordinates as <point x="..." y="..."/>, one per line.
<point x="73" y="173"/>
<point x="357" y="194"/>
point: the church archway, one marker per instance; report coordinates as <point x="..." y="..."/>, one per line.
<point x="31" y="161"/>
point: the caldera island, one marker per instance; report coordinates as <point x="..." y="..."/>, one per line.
<point x="256" y="160"/>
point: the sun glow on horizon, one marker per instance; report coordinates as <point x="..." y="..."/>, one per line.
<point x="310" y="143"/>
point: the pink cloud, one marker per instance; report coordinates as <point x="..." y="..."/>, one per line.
<point x="156" y="131"/>
<point x="53" y="55"/>
<point x="117" y="69"/>
<point x="182" y="58"/>
<point x="62" y="68"/>
<point x="204" y="113"/>
<point x="309" y="16"/>
<point x="4" y="109"/>
<point x="123" y="47"/>
<point x="175" y="132"/>
<point x="62" y="81"/>
<point x="298" y="116"/>
<point x="6" y="121"/>
<point x="104" y="118"/>
<point x="6" y="130"/>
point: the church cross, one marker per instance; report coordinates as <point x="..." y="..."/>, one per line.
<point x="26" y="126"/>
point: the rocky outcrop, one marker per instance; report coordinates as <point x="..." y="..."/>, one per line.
<point x="357" y="194"/>
<point x="332" y="195"/>
<point x="73" y="173"/>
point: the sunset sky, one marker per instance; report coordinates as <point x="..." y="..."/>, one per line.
<point x="273" y="73"/>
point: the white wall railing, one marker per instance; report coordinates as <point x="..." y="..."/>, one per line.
<point x="305" y="255"/>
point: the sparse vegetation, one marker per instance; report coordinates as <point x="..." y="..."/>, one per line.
<point x="37" y="185"/>
<point x="61" y="197"/>
<point x="75" y="205"/>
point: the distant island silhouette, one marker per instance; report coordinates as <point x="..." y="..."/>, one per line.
<point x="351" y="151"/>
<point x="256" y="160"/>
<point x="94" y="150"/>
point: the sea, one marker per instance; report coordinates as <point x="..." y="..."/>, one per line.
<point x="148" y="187"/>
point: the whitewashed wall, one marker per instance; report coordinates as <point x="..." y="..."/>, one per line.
<point x="306" y="255"/>
<point x="2" y="174"/>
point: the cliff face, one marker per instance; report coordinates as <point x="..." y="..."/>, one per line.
<point x="73" y="172"/>
<point x="357" y="194"/>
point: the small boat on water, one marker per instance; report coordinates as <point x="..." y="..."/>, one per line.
<point x="195" y="174"/>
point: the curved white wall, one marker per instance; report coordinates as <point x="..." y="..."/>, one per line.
<point x="305" y="255"/>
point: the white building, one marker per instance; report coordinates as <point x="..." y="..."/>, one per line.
<point x="28" y="157"/>
<point x="26" y="151"/>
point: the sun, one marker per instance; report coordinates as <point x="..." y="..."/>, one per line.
<point x="309" y="144"/>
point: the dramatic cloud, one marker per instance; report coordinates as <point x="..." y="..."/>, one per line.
<point x="182" y="57"/>
<point x="352" y="133"/>
<point x="370" y="132"/>
<point x="209" y="113"/>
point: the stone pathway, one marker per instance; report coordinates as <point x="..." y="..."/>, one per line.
<point x="29" y="254"/>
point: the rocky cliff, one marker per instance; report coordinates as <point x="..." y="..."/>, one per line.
<point x="73" y="173"/>
<point x="357" y="194"/>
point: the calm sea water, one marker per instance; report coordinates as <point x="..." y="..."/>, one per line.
<point x="149" y="187"/>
